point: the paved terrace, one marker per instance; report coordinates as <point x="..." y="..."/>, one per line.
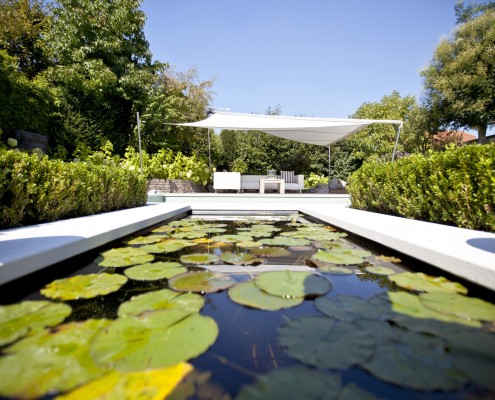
<point x="466" y="253"/>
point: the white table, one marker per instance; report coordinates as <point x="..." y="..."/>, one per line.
<point x="280" y="182"/>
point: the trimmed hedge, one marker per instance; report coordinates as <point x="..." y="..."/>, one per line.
<point x="36" y="189"/>
<point x="455" y="187"/>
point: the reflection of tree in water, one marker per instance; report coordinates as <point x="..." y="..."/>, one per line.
<point x="380" y="280"/>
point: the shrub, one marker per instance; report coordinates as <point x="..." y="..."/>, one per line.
<point x="314" y="180"/>
<point x="455" y="187"/>
<point x="36" y="189"/>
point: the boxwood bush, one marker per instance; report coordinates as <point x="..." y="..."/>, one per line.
<point x="34" y="189"/>
<point x="454" y="187"/>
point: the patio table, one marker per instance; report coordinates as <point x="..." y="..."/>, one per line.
<point x="280" y="182"/>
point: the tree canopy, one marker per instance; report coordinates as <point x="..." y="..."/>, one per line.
<point x="460" y="81"/>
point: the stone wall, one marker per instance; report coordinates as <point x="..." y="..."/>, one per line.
<point x="174" y="186"/>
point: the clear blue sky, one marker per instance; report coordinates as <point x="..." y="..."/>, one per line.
<point x="312" y="57"/>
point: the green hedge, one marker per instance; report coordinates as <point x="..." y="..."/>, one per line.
<point x="36" y="189"/>
<point x="455" y="187"/>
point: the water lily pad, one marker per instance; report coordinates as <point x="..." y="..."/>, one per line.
<point x="292" y="383"/>
<point x="153" y="340"/>
<point x="248" y="294"/>
<point x="351" y="391"/>
<point x="333" y="270"/>
<point x="341" y="255"/>
<point x="164" y="299"/>
<point x="410" y="312"/>
<point x="145" y="239"/>
<point x="247" y="245"/>
<point x="189" y="235"/>
<point x="292" y="283"/>
<point x="232" y="238"/>
<point x="125" y="257"/>
<point x="351" y="308"/>
<point x="270" y="252"/>
<point x="379" y="270"/>
<point x="391" y="259"/>
<point x="199" y="258"/>
<point x="164" y="229"/>
<point x="155" y="384"/>
<point x="285" y="241"/>
<point x="326" y="343"/>
<point x="421" y="365"/>
<point x="51" y="360"/>
<point x="17" y="320"/>
<point x="425" y="283"/>
<point x="240" y="259"/>
<point x="201" y="282"/>
<point x="461" y="306"/>
<point x="154" y="271"/>
<point x="168" y="246"/>
<point x="84" y="286"/>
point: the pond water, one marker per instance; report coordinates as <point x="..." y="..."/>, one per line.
<point x="247" y="307"/>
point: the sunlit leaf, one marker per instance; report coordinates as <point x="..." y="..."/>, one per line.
<point x="146" y="239"/>
<point x="196" y="234"/>
<point x="50" y="360"/>
<point x="247" y="245"/>
<point x="153" y="340"/>
<point x="155" y="384"/>
<point x="161" y="300"/>
<point x="333" y="270"/>
<point x="341" y="255"/>
<point x="232" y="238"/>
<point x="292" y="283"/>
<point x="292" y="383"/>
<point x="326" y="343"/>
<point x="201" y="282"/>
<point x="84" y="286"/>
<point x="154" y="271"/>
<point x="391" y="259"/>
<point x="168" y="246"/>
<point x="125" y="257"/>
<point x="270" y="252"/>
<point x="240" y="259"/>
<point x="247" y="294"/>
<point x="17" y="320"/>
<point x="199" y="258"/>
<point x="461" y="306"/>
<point x="285" y="241"/>
<point x="425" y="283"/>
<point x="379" y="270"/>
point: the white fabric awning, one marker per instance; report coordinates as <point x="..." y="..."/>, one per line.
<point x="318" y="131"/>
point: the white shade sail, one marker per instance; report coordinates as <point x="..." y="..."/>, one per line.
<point x="318" y="131"/>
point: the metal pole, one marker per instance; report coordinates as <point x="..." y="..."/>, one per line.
<point x="328" y="166"/>
<point x="397" y="140"/>
<point x="139" y="142"/>
<point x="209" y="150"/>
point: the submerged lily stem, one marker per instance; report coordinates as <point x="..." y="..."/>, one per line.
<point x="239" y="368"/>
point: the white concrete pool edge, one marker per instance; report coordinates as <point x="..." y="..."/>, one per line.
<point x="466" y="253"/>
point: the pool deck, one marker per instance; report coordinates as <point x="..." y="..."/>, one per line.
<point x="466" y="253"/>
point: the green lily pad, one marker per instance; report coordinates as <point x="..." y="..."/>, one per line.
<point x="270" y="252"/>
<point x="163" y="229"/>
<point x="292" y="383"/>
<point x="232" y="238"/>
<point x="326" y="343"/>
<point x="247" y="245"/>
<point x="146" y="239"/>
<point x="351" y="308"/>
<point x="379" y="270"/>
<point x="51" y="360"/>
<point x="168" y="246"/>
<point x="341" y="255"/>
<point x="292" y="283"/>
<point x="201" y="282"/>
<point x="189" y="235"/>
<point x="84" y="286"/>
<point x="421" y="365"/>
<point x="125" y="257"/>
<point x="352" y="391"/>
<point x="410" y="312"/>
<point x="461" y="306"/>
<point x="160" y="300"/>
<point x="248" y="294"/>
<point x="17" y="320"/>
<point x="154" y="271"/>
<point x="425" y="283"/>
<point x="155" y="384"/>
<point x="285" y="241"/>
<point x="240" y="259"/>
<point x="213" y="229"/>
<point x="153" y="340"/>
<point x="199" y="258"/>
<point x="333" y="270"/>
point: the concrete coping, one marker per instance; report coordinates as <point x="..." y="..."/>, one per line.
<point x="469" y="254"/>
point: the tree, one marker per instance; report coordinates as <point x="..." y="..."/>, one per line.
<point x="377" y="139"/>
<point x="103" y="65"/>
<point x="465" y="13"/>
<point x="460" y="81"/>
<point x="22" y="34"/>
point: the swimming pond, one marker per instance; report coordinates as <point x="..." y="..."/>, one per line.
<point x="327" y="315"/>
